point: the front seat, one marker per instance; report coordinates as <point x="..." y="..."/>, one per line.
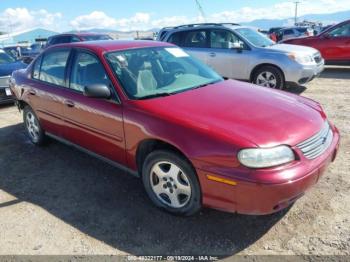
<point x="146" y="80"/>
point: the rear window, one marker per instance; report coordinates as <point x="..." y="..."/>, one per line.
<point x="302" y="30"/>
<point x="96" y="37"/>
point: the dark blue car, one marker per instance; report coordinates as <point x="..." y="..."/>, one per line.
<point x="7" y="65"/>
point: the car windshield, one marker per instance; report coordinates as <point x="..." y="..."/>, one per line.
<point x="96" y="37"/>
<point x="5" y="58"/>
<point x="159" y="71"/>
<point x="255" y="37"/>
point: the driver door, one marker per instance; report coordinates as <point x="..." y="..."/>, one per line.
<point x="336" y="44"/>
<point x="93" y="123"/>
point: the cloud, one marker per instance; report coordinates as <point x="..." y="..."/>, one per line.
<point x="19" y="19"/>
<point x="96" y="19"/>
<point x="99" y="19"/>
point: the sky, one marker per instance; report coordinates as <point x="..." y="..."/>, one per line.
<point x="65" y="15"/>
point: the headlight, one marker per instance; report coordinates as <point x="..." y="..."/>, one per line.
<point x="302" y="59"/>
<point x="265" y="157"/>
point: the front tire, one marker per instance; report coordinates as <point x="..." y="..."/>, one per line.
<point x="33" y="128"/>
<point x="171" y="183"/>
<point x="269" y="76"/>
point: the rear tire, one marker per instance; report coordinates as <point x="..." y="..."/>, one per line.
<point x="269" y="76"/>
<point x="171" y="183"/>
<point x="32" y="126"/>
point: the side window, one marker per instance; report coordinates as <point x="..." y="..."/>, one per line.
<point x="175" y="38"/>
<point x="342" y="31"/>
<point x="36" y="68"/>
<point x="195" y="39"/>
<point x="87" y="70"/>
<point x="288" y="32"/>
<point x="223" y="39"/>
<point x="75" y="39"/>
<point x="53" y="67"/>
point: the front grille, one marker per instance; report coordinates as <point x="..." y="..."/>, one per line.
<point x="4" y="81"/>
<point x="318" y="58"/>
<point x="317" y="144"/>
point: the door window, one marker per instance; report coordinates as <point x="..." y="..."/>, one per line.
<point x="342" y="31"/>
<point x="87" y="70"/>
<point x="195" y="39"/>
<point x="175" y="38"/>
<point x="53" y="67"/>
<point x="223" y="39"/>
<point x="288" y="32"/>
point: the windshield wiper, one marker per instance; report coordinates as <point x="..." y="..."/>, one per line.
<point x="206" y="84"/>
<point x="154" y="95"/>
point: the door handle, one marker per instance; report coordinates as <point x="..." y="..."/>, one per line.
<point x="212" y="54"/>
<point x="32" y="92"/>
<point x="69" y="103"/>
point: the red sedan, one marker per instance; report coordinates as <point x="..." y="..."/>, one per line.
<point x="333" y="43"/>
<point x="193" y="138"/>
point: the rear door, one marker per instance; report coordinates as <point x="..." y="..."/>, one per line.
<point x="47" y="89"/>
<point x="228" y="62"/>
<point x="195" y="42"/>
<point x="93" y="123"/>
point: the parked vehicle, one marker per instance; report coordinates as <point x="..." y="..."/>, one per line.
<point x="76" y="37"/>
<point x="194" y="138"/>
<point x="242" y="53"/>
<point x="333" y="43"/>
<point x="7" y="65"/>
<point x="272" y="33"/>
<point x="28" y="54"/>
<point x="293" y="32"/>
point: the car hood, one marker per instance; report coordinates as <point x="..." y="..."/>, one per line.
<point x="7" y="69"/>
<point x="286" y="48"/>
<point x="238" y="111"/>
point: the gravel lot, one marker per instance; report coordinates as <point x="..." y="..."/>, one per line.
<point x="57" y="200"/>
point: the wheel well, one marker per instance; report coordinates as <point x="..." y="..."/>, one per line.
<point x="150" y="145"/>
<point x="262" y="65"/>
<point x="21" y="104"/>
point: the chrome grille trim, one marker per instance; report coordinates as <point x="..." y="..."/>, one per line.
<point x="317" y="144"/>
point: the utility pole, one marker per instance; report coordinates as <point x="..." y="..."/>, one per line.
<point x="296" y="12"/>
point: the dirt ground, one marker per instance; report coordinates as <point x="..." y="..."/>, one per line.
<point x="57" y="200"/>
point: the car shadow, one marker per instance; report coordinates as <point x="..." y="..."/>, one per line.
<point x="336" y="72"/>
<point x="296" y="89"/>
<point x="101" y="201"/>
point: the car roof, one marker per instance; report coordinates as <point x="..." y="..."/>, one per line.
<point x="113" y="45"/>
<point x="79" y="34"/>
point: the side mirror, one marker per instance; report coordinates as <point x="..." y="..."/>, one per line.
<point x="236" y="45"/>
<point x="97" y="91"/>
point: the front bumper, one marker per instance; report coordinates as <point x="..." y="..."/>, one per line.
<point x="302" y="74"/>
<point x="260" y="197"/>
<point x="5" y="96"/>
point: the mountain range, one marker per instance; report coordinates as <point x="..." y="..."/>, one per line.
<point x="323" y="18"/>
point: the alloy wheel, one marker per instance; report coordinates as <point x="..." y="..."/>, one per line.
<point x="32" y="126"/>
<point x="170" y="184"/>
<point x="266" y="79"/>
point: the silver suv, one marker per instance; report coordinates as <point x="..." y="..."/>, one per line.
<point x="243" y="53"/>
